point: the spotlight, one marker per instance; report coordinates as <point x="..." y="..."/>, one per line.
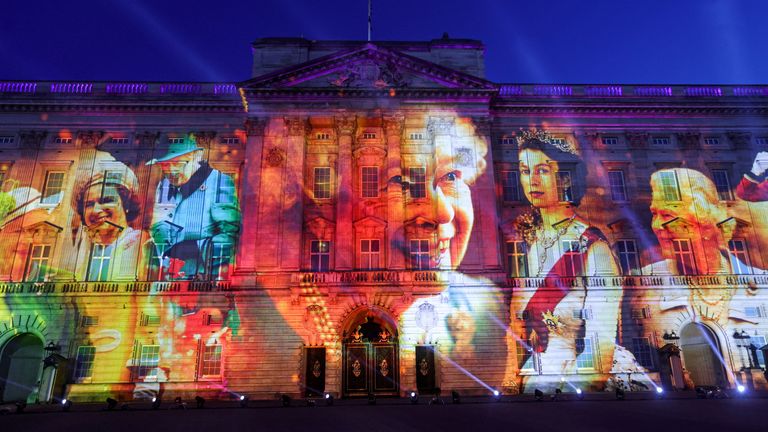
<point x="66" y="404"/>
<point x="741" y="388"/>
<point x="455" y="398"/>
<point x="539" y="395"/>
<point x="286" y="400"/>
<point x="619" y="394"/>
<point x="579" y="394"/>
<point x="328" y="399"/>
<point x="659" y="392"/>
<point x="200" y="402"/>
<point x="414" y="398"/>
<point x="556" y="395"/>
<point x="243" y="401"/>
<point x="111" y="404"/>
<point x="156" y="401"/>
<point x="371" y="399"/>
<point x="497" y="396"/>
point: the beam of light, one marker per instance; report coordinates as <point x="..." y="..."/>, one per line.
<point x="465" y="372"/>
<point x="183" y="51"/>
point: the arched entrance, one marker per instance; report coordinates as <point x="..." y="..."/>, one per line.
<point x="701" y="355"/>
<point x="371" y="360"/>
<point x="20" y="361"/>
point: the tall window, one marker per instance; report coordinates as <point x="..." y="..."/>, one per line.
<point x="525" y="353"/>
<point x="616" y="182"/>
<point x="176" y="140"/>
<point x="148" y="361"/>
<point x="84" y="362"/>
<point x="37" y="266"/>
<point x="737" y="251"/>
<point x="610" y="141"/>
<point x="320" y="255"/>
<point x="511" y="185"/>
<point x="517" y="260"/>
<point x="684" y="257"/>
<point x="711" y="141"/>
<point x="720" y="177"/>
<point x="420" y="254"/>
<point x="225" y="189"/>
<point x="759" y="341"/>
<point x="369" y="254"/>
<point x="230" y="140"/>
<point x="585" y="360"/>
<point x="369" y="177"/>
<point x="628" y="257"/>
<point x="660" y="141"/>
<point x="418" y="179"/>
<point x="564" y="186"/>
<point x="98" y="269"/>
<point x="54" y="185"/>
<point x="641" y="348"/>
<point x="322" y="187"/>
<point x="211" y="360"/>
<point x="220" y="259"/>
<point x="6" y="139"/>
<point x="669" y="187"/>
<point x="761" y="141"/>
<point x="118" y="140"/>
<point x="572" y="258"/>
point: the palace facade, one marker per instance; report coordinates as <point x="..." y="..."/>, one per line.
<point x="378" y="218"/>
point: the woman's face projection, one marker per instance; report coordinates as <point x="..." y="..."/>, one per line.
<point x="538" y="176"/>
<point x="103" y="209"/>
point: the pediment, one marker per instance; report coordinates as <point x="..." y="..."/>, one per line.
<point x="420" y="221"/>
<point x="371" y="221"/>
<point x="368" y="67"/>
<point x="319" y="223"/>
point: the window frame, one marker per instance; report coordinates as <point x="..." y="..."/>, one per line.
<point x="641" y="346"/>
<point x="621" y="254"/>
<point x="148" y="363"/>
<point x="419" y="255"/>
<point x="105" y="262"/>
<point x="573" y="259"/>
<point x="621" y="187"/>
<point x="86" y="355"/>
<point x="367" y="184"/>
<point x="510" y="181"/>
<point x="586" y="360"/>
<point x="417" y="177"/>
<point x="733" y="254"/>
<point x="44" y="262"/>
<point x="724" y="191"/>
<point x="515" y="255"/>
<point x="211" y="366"/>
<point x="322" y="189"/>
<point x="367" y="256"/>
<point x="45" y="194"/>
<point x="323" y="257"/>
<point x="565" y="193"/>
<point x="667" y="188"/>
<point x="680" y="255"/>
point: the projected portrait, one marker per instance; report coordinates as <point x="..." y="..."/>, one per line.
<point x="555" y="333"/>
<point x="196" y="215"/>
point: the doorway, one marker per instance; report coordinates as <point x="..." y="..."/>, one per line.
<point x="20" y="362"/>
<point x="701" y="355"/>
<point x="371" y="360"/>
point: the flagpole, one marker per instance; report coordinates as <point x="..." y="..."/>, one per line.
<point x="370" y="11"/>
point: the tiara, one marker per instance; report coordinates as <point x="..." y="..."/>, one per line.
<point x="539" y="135"/>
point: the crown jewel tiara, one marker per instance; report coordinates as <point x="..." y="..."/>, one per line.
<point x="560" y="144"/>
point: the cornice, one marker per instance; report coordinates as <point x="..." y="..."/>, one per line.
<point x="53" y="106"/>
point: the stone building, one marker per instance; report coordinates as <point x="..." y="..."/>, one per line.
<point x="376" y="218"/>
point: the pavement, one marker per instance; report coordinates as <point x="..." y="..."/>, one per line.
<point x="596" y="412"/>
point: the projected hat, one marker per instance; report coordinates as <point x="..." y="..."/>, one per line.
<point x="176" y="149"/>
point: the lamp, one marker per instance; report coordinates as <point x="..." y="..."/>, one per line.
<point x="496" y="395"/>
<point x="310" y="402"/>
<point x="619" y="394"/>
<point x="414" y="398"/>
<point x="286" y="400"/>
<point x="579" y="394"/>
<point x="556" y="395"/>
<point x="328" y="399"/>
<point x="539" y="395"/>
<point x="455" y="397"/>
<point x="200" y="402"/>
<point x="671" y="337"/>
<point x="66" y="404"/>
<point x="156" y="401"/>
<point x="243" y="401"/>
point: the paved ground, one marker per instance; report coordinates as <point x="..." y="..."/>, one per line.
<point x="592" y="414"/>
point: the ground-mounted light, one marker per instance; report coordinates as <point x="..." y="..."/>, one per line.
<point x="496" y="395"/>
<point x="111" y="404"/>
<point x="66" y="405"/>
<point x="328" y="399"/>
<point x="619" y="394"/>
<point x="538" y="395"/>
<point x="310" y="402"/>
<point x="660" y="392"/>
<point x="243" y="401"/>
<point x="286" y="400"/>
<point x="414" y="397"/>
<point x="455" y="397"/>
<point x="741" y="389"/>
<point x="20" y="405"/>
<point x="156" y="401"/>
<point x="371" y="399"/>
<point x="579" y="394"/>
<point x="556" y="395"/>
<point x="200" y="402"/>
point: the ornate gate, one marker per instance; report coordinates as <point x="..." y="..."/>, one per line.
<point x="370" y="362"/>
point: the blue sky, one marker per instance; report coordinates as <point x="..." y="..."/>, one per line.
<point x="546" y="41"/>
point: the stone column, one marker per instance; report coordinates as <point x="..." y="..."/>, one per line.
<point x="345" y="243"/>
<point x="292" y="213"/>
<point x="393" y="130"/>
<point x="249" y="202"/>
<point x="486" y="230"/>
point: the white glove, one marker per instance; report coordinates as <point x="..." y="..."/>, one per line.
<point x="760" y="164"/>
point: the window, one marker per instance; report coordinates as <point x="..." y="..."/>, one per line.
<point x="628" y="257"/>
<point x="230" y="140"/>
<point x="220" y="259"/>
<point x="323" y="136"/>
<point x="564" y="186"/>
<point x="369" y="178"/>
<point x="525" y="355"/>
<point x="320" y="255"/>
<point x="62" y="140"/>
<point x="558" y="141"/>
<point x="583" y="314"/>
<point x="322" y="189"/>
<point x="53" y="187"/>
<point x="211" y="360"/>
<point x="225" y="189"/>
<point x="148" y="361"/>
<point x="418" y="181"/>
<point x="669" y="186"/>
<point x="508" y="141"/>
<point x="37" y="266"/>
<point x="641" y="348"/>
<point x="761" y="141"/>
<point x="759" y="342"/>
<point x="98" y="269"/>
<point x="684" y="257"/>
<point x="175" y="140"/>
<point x="720" y="178"/>
<point x="420" y="254"/>
<point x="661" y="141"/>
<point x="753" y="312"/>
<point x="6" y="140"/>
<point x="640" y="313"/>
<point x="610" y="141"/>
<point x="586" y="359"/>
<point x="84" y="362"/>
<point x="737" y="251"/>
<point x="511" y="185"/>
<point x="150" y="320"/>
<point x="369" y="254"/>
<point x="616" y="183"/>
<point x="89" y="321"/>
<point x="3" y="173"/>
<point x="712" y="141"/>
<point x="369" y="135"/>
<point x="416" y="136"/>
<point x="572" y="259"/>
<point x="517" y="259"/>
<point x="119" y="141"/>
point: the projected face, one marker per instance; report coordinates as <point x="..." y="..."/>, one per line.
<point x="538" y="176"/>
<point x="179" y="169"/>
<point x="455" y="214"/>
<point x="103" y="208"/>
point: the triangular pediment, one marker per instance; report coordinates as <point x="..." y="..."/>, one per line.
<point x="368" y="67"/>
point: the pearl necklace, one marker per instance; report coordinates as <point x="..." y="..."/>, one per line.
<point x="548" y="242"/>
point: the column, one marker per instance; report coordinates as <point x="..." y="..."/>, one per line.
<point x="344" y="242"/>
<point x="484" y="199"/>
<point x="292" y="214"/>
<point x="393" y="130"/>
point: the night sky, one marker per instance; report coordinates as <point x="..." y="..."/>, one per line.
<point x="563" y="41"/>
